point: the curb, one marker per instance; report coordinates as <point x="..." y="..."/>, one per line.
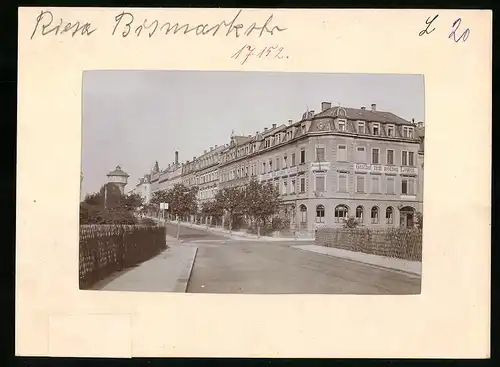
<point x="183" y="281"/>
<point x="396" y="270"/>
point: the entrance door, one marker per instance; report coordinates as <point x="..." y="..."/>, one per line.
<point x="407" y="217"/>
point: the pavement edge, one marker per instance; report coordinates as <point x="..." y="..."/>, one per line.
<point x="377" y="266"/>
<point x="183" y="281"/>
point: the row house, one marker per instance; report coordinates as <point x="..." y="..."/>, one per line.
<point x="340" y="162"/>
<point x="327" y="166"/>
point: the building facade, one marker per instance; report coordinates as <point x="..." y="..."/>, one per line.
<point x="341" y="162"/>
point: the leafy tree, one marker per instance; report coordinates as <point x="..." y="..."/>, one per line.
<point x="181" y="201"/>
<point x="261" y="202"/>
<point x="350" y="222"/>
<point x="231" y="199"/>
<point x="131" y="202"/>
<point x="419" y="222"/>
<point x="212" y="208"/>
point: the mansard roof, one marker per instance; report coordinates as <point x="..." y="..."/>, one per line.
<point x="362" y="114"/>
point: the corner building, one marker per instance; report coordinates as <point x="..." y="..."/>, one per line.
<point x="337" y="163"/>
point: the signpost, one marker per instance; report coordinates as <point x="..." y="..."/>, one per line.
<point x="163" y="207"/>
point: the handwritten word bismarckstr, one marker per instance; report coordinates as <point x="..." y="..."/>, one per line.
<point x="126" y="22"/>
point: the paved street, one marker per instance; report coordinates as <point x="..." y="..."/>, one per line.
<point x="192" y="234"/>
<point x="232" y="266"/>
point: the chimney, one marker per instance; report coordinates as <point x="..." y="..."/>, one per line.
<point x="325" y="106"/>
<point x="413" y="121"/>
<point x="374" y="107"/>
<point x="215" y="145"/>
<point x="205" y="151"/>
<point x="176" y="157"/>
<point x="194" y="158"/>
<point x="363" y="108"/>
<point x="257" y="132"/>
<point x="274" y="126"/>
<point x="265" y="129"/>
<point x="290" y="122"/>
<point x="249" y="136"/>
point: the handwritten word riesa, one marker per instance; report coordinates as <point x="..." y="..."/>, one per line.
<point x="44" y="26"/>
<point x="126" y="24"/>
<point x="454" y="29"/>
<point x="248" y="51"/>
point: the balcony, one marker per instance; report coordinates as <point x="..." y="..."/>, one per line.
<point x="378" y="168"/>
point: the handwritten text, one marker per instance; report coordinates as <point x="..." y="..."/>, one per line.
<point x="44" y="26"/>
<point x="454" y="35"/>
<point x="248" y="51"/>
<point x="126" y="24"/>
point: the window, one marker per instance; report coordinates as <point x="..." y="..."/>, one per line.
<point x="375" y="156"/>
<point x="361" y="127"/>
<point x="390" y="185"/>
<point x="263" y="167"/>
<point x="360" y="184"/>
<point x="292" y="187"/>
<point x="342" y="153"/>
<point x="320" y="214"/>
<point x="375" y="184"/>
<point x="404" y="158"/>
<point x="293" y="160"/>
<point x="390" y="157"/>
<point x="390" y="130"/>
<point x="407" y="186"/>
<point x="376" y="129"/>
<point x="320" y="183"/>
<point x="303" y="129"/>
<point x="342" y="125"/>
<point x="285" y="161"/>
<point x="270" y="165"/>
<point x="302" y="156"/>
<point x="342" y="182"/>
<point x="320" y="153"/>
<point x="359" y="214"/>
<point x="389" y="215"/>
<point x="302" y="184"/>
<point x="361" y="155"/>
<point x="374" y="215"/>
<point x="410" y="159"/>
<point x="303" y="215"/>
<point x="407" y="132"/>
<point x="340" y="213"/>
<point x="277" y="164"/>
<point x="285" y="187"/>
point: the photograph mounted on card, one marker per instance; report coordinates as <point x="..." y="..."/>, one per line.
<point x="179" y="168"/>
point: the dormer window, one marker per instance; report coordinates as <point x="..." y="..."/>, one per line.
<point x="376" y="129"/>
<point x="303" y="128"/>
<point x="390" y="131"/>
<point x="361" y="127"/>
<point x="408" y="132"/>
<point x="342" y="125"/>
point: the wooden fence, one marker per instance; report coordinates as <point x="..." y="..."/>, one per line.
<point x="105" y="249"/>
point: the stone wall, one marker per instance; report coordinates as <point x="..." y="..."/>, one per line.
<point x="402" y="243"/>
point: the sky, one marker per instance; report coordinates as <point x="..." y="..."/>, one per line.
<point x="134" y="118"/>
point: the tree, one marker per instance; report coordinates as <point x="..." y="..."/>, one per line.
<point x="212" y="209"/>
<point x="261" y="201"/>
<point x="419" y="220"/>
<point x="231" y="200"/>
<point x="131" y="202"/>
<point x="350" y="222"/>
<point x="181" y="201"/>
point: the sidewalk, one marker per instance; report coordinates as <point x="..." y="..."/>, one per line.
<point x="242" y="235"/>
<point x="412" y="267"/>
<point x="167" y="272"/>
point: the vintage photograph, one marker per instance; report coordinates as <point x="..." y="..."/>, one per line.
<point x="251" y="182"/>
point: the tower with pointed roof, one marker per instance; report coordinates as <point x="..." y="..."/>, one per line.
<point x="119" y="178"/>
